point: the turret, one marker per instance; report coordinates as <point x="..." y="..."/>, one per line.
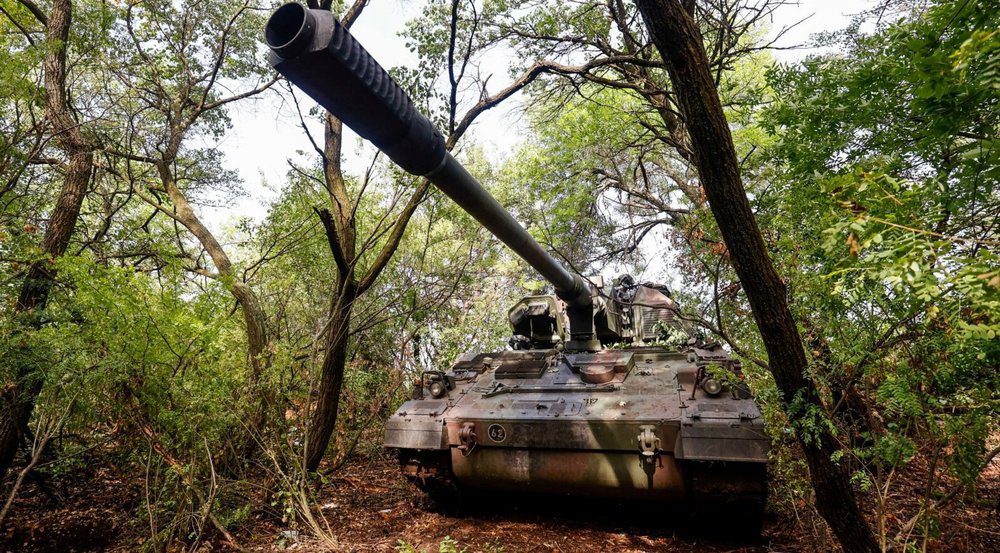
<point x="316" y="53"/>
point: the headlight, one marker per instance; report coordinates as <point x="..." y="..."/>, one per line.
<point x="438" y="389"/>
<point x="711" y="386"/>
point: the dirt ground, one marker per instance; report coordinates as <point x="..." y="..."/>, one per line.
<point x="373" y="510"/>
<point x="370" y="508"/>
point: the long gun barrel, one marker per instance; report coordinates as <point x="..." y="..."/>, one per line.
<point x="315" y="52"/>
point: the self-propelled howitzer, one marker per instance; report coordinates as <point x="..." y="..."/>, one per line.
<point x="604" y="391"/>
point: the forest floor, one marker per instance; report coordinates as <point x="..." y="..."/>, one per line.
<point x="372" y="509"/>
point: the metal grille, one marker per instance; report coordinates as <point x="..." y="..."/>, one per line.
<point x="523" y="364"/>
<point x="653" y="315"/>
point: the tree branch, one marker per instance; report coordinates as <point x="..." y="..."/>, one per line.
<point x="35" y="11"/>
<point x="24" y="32"/>
<point x="394" y="237"/>
<point x="343" y="266"/>
<point x="352" y="13"/>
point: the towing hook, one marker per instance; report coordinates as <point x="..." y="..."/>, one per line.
<point x="467" y="438"/>
<point x="649" y="443"/>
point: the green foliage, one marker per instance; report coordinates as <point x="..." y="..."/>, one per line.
<point x="175" y="355"/>
<point x="673" y="338"/>
<point x="885" y="202"/>
<point x="809" y="422"/>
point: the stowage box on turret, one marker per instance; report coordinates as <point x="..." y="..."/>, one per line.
<point x="604" y="391"/>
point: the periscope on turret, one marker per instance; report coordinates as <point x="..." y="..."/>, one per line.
<point x="603" y="390"/>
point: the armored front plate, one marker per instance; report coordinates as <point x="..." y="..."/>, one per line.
<point x="407" y="433"/>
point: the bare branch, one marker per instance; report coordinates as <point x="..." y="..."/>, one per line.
<point x="395" y="236"/>
<point x="241" y="96"/>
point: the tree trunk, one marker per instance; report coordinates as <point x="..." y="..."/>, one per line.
<point x="324" y="417"/>
<point x="680" y="43"/>
<point x="253" y="314"/>
<point x="341" y="234"/>
<point x="18" y="398"/>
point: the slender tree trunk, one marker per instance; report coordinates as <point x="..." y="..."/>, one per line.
<point x="680" y="43"/>
<point x="324" y="417"/>
<point x="18" y="399"/>
<point x="253" y="314"/>
<point x="339" y="224"/>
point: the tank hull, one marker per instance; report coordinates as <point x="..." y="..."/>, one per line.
<point x="650" y="433"/>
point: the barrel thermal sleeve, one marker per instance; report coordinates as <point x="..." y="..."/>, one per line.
<point x="313" y="50"/>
